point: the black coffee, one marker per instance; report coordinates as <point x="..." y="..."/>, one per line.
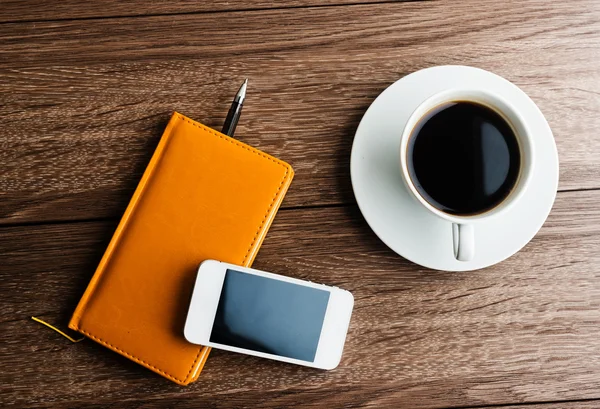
<point x="463" y="158"/>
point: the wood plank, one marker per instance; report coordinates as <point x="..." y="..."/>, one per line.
<point x="185" y="402"/>
<point x="84" y="103"/>
<point x="525" y="330"/>
<point x="40" y="10"/>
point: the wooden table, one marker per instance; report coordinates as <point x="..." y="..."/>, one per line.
<point x="86" y="90"/>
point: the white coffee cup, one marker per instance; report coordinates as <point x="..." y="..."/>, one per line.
<point x="464" y="227"/>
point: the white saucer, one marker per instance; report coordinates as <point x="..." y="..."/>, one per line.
<point x="399" y="220"/>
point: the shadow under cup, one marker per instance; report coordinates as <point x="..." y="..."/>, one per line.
<point x="466" y="155"/>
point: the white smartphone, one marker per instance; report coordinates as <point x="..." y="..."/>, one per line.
<point x="257" y="313"/>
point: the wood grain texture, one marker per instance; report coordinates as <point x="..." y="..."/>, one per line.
<point x="40" y="10"/>
<point x="84" y="102"/>
<point x="525" y="330"/>
<point x="189" y="402"/>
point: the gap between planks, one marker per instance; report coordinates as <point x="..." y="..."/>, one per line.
<point x="282" y="209"/>
<point x="240" y="10"/>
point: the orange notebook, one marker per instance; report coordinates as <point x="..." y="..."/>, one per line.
<point x="203" y="196"/>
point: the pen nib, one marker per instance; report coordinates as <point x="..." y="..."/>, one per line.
<point x="241" y="94"/>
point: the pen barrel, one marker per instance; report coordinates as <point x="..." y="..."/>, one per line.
<point x="232" y="119"/>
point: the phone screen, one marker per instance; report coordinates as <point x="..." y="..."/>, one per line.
<point x="271" y="316"/>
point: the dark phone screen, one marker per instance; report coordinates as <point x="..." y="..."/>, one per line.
<point x="271" y="316"/>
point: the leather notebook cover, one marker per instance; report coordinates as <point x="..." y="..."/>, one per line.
<point x="203" y="196"/>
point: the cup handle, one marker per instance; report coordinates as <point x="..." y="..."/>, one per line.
<point x="463" y="236"/>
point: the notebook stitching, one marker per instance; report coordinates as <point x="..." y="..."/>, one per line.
<point x="250" y="149"/>
<point x="234" y="142"/>
<point x="262" y="223"/>
<point x="136" y="359"/>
